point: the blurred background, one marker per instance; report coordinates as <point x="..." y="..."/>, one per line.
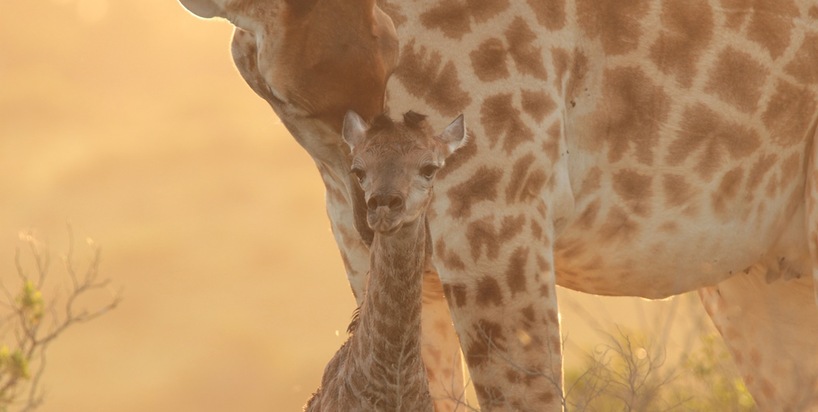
<point x="128" y="121"/>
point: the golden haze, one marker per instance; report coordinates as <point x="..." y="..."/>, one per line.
<point x="129" y="120"/>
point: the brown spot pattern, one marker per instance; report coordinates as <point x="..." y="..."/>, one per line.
<point x="803" y="67"/>
<point x="551" y="147"/>
<point x="527" y="57"/>
<point x="450" y="259"/>
<point x="618" y="226"/>
<point x="614" y="22"/>
<point x="450" y="16"/>
<point x="588" y="216"/>
<point x="687" y="30"/>
<point x="455" y="294"/>
<point x="759" y="170"/>
<point x="525" y="183"/>
<point x="701" y="127"/>
<point x="515" y="273"/>
<point x="635" y="189"/>
<point x="537" y="104"/>
<point x="489" y="396"/>
<point x="500" y="118"/>
<point x="453" y="17"/>
<point x="677" y="190"/>
<point x="591" y="183"/>
<point x="788" y="114"/>
<point x="634" y="111"/>
<point x="735" y="12"/>
<point x="528" y="314"/>
<point x="482" y="10"/>
<point x="579" y="69"/>
<point x="489" y="60"/>
<point x="425" y="76"/>
<point x="487" y="336"/>
<point x="789" y="169"/>
<point x="488" y="292"/>
<point x="561" y="60"/>
<point x="536" y="230"/>
<point x="737" y="79"/>
<point x="727" y="191"/>
<point x="482" y="234"/>
<point x="550" y="13"/>
<point x="481" y="186"/>
<point x="771" y="23"/>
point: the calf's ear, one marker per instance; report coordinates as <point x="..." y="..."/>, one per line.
<point x="354" y="129"/>
<point x="454" y="135"/>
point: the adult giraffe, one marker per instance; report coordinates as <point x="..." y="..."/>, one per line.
<point x="643" y="148"/>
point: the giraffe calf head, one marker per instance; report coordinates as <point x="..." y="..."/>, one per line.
<point x="395" y="163"/>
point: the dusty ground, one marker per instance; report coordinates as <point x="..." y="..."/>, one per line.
<point x="128" y="120"/>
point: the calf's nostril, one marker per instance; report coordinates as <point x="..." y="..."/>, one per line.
<point x="392" y="202"/>
<point x="396" y="203"/>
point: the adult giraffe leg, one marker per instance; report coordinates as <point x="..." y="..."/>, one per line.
<point x="771" y="329"/>
<point x="504" y="307"/>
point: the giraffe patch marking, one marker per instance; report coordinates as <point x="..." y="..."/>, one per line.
<point x="770" y="24"/>
<point x="500" y="118"/>
<point x="489" y="60"/>
<point x="803" y="66"/>
<point x="515" y="273"/>
<point x="702" y="128"/>
<point x="450" y="17"/>
<point x="759" y="170"/>
<point x="481" y="186"/>
<point x="614" y="22"/>
<point x="727" y="191"/>
<point x="687" y="30"/>
<point x="456" y="294"/>
<point x="618" y="226"/>
<point x="677" y="190"/>
<point x="521" y="46"/>
<point x="482" y="233"/>
<point x="550" y="14"/>
<point x="633" y="115"/>
<point x="525" y="182"/>
<point x="737" y="79"/>
<point x="588" y="216"/>
<point x="425" y="76"/>
<point x="483" y="10"/>
<point x="537" y="104"/>
<point x="788" y="114"/>
<point x="635" y="189"/>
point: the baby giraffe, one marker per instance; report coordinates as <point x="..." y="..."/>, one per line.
<point x="379" y="368"/>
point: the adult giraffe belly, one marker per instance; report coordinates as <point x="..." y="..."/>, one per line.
<point x="678" y="187"/>
<point x="678" y="223"/>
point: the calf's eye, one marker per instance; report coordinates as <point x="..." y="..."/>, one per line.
<point x="428" y="171"/>
<point x="359" y="174"/>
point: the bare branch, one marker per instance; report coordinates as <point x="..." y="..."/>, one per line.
<point x="23" y="315"/>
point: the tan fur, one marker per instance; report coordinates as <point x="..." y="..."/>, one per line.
<point x="636" y="147"/>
